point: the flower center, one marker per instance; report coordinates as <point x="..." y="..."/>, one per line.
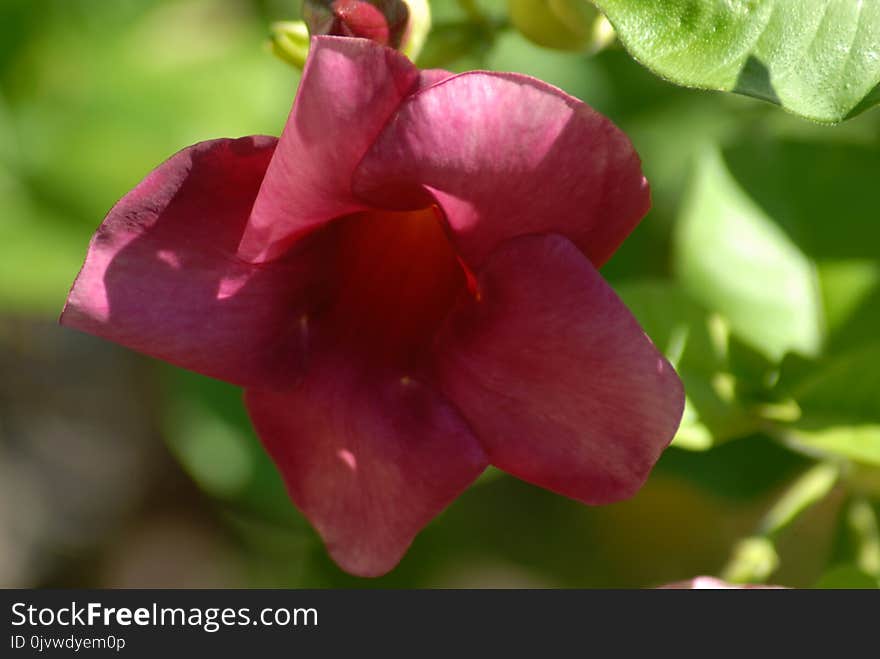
<point x="398" y="276"/>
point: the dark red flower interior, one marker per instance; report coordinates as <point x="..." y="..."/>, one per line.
<point x="397" y="276"/>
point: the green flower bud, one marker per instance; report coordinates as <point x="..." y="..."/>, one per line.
<point x="417" y="29"/>
<point x="290" y="42"/>
<point x="561" y="24"/>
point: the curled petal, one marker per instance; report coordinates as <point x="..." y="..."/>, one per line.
<point x="369" y="458"/>
<point x="349" y="89"/>
<point x="555" y="376"/>
<point x="161" y="275"/>
<point x="507" y="155"/>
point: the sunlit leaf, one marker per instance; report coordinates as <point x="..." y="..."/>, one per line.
<point x="859" y="443"/>
<point x="807" y="490"/>
<point x="817" y="58"/>
<point x="735" y="260"/>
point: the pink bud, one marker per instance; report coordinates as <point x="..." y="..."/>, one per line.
<point x="382" y="21"/>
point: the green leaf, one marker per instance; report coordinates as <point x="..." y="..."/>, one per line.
<point x="40" y="254"/>
<point x="807" y="490"/>
<point x="840" y="404"/>
<point x="814" y="188"/>
<point x="846" y="388"/>
<point x="817" y="58"/>
<point x="735" y="260"/>
<point x="846" y="576"/>
<point x="858" y="443"/>
<point x="851" y="298"/>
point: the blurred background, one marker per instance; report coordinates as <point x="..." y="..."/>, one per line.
<point x="757" y="271"/>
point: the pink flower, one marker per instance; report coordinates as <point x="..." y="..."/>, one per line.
<point x="711" y="583"/>
<point x="405" y="285"/>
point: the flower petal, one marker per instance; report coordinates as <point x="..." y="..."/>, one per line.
<point x="161" y="275"/>
<point x="369" y="458"/>
<point x="428" y="77"/>
<point x="349" y="89"/>
<point x="507" y="155"/>
<point x="555" y="376"/>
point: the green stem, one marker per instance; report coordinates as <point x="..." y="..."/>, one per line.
<point x="755" y="558"/>
<point x="808" y="490"/>
<point x="862" y="521"/>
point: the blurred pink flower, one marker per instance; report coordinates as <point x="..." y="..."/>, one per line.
<point x="405" y="285"/>
<point x="711" y="583"/>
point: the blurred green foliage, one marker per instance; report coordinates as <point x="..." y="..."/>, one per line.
<point x="757" y="272"/>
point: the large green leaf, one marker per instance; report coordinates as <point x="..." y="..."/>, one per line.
<point x="817" y="191"/>
<point x="735" y="260"/>
<point x="817" y="58"/>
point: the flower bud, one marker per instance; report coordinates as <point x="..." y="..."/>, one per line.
<point x="417" y="29"/>
<point x="383" y="21"/>
<point x="290" y="42"/>
<point x="561" y="24"/>
<point x="400" y="24"/>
